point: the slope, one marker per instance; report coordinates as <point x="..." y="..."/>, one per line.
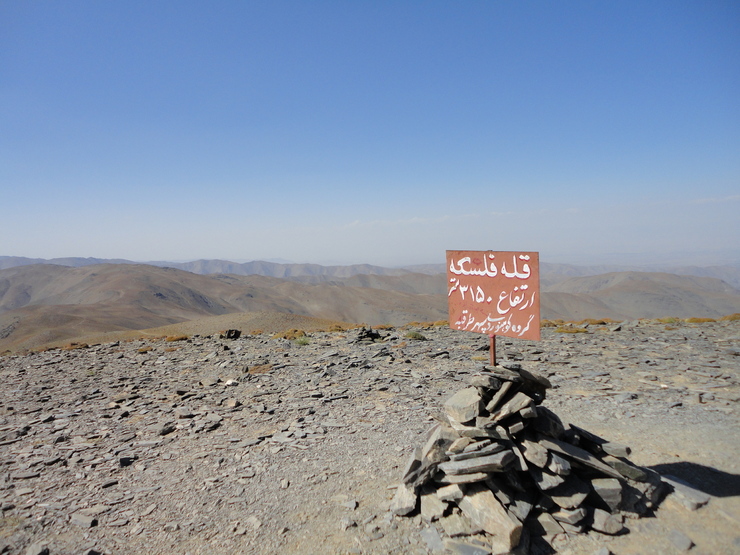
<point x="647" y="295"/>
<point x="42" y="303"/>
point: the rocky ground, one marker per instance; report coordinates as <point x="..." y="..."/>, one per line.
<point x="260" y="445"/>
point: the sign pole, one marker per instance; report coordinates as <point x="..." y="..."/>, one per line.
<point x="493" y="349"/>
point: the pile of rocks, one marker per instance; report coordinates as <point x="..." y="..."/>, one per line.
<point x="504" y="468"/>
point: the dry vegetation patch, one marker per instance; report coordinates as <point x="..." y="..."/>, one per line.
<point x="291" y="335"/>
<point x="173" y="338"/>
<point x="596" y="322"/>
<point x="259" y="369"/>
<point x="570" y="329"/>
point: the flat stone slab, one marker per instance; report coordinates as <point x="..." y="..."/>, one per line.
<point x="573" y="516"/>
<point x="443" y="478"/>
<point x="546" y="525"/>
<point x="609" y="490"/>
<point x="603" y="445"/>
<point x="464" y="405"/>
<point x="433" y="540"/>
<point x="606" y="522"/>
<point x="475" y="431"/>
<point x="558" y="464"/>
<point x="680" y="540"/>
<point x="485" y="380"/>
<point x="457" y="524"/>
<point x="491" y="463"/>
<point x="626" y="469"/>
<point x="82" y="520"/>
<point x="581" y="455"/>
<point x="570" y="494"/>
<point x="404" y="501"/>
<point x="498" y="397"/>
<point x="453" y="492"/>
<point x="534" y="453"/>
<point x="432" y="507"/>
<point x="686" y="494"/>
<point x="490" y="449"/>
<point x="517" y="403"/>
<point x="463" y="548"/>
<point x="483" y="509"/>
<point x="544" y="479"/>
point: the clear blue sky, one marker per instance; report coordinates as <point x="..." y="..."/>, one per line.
<point x="379" y="132"/>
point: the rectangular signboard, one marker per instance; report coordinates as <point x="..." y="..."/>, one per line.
<point x="496" y="293"/>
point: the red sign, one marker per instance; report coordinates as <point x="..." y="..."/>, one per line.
<point x="496" y="293"/>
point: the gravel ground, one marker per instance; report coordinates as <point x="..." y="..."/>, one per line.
<point x="260" y="445"/>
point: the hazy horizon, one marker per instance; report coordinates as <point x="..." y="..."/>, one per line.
<point x="667" y="260"/>
<point x="381" y="133"/>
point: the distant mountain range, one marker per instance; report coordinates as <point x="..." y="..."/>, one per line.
<point x="550" y="273"/>
<point x="42" y="303"/>
<point x="204" y="267"/>
<point x="45" y="303"/>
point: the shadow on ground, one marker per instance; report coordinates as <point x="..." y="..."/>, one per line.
<point x="704" y="478"/>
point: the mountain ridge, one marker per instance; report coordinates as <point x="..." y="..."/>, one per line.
<point x="65" y="302"/>
<point x="46" y="303"/>
<point x="550" y="272"/>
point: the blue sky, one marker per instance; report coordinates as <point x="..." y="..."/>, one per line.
<point x="378" y="132"/>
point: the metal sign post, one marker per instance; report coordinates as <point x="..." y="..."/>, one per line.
<point x="493" y="349"/>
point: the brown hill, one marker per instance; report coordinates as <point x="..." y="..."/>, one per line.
<point x="274" y="269"/>
<point x="568" y="306"/>
<point x="550" y="273"/>
<point x="415" y="283"/>
<point x="260" y="267"/>
<point x="40" y="304"/>
<point x="248" y="322"/>
<point x="641" y="295"/>
<point x="617" y="295"/>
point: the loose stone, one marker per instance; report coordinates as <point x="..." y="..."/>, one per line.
<point x="606" y="522"/>
<point x="680" y="540"/>
<point x="464" y="405"/>
<point x="404" y="501"/>
<point x="82" y="520"/>
<point x="482" y="508"/>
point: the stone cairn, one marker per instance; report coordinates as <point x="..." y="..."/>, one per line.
<point x="499" y="463"/>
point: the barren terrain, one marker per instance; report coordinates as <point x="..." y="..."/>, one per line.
<point x="46" y="305"/>
<point x="51" y="305"/>
<point x="260" y="445"/>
